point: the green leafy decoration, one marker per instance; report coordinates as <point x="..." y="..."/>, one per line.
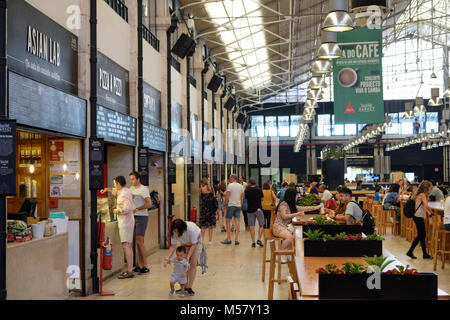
<point x="378" y="261"/>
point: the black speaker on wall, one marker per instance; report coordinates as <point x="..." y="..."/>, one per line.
<point x="240" y="118"/>
<point x="230" y="103"/>
<point x="214" y="83"/>
<point x="184" y="46"/>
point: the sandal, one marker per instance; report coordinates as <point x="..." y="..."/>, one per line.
<point x="125" y="275"/>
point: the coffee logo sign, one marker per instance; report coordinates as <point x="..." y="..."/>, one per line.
<point x="43" y="47"/>
<point x="111" y="83"/>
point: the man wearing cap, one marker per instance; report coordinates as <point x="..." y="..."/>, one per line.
<point x="254" y="196"/>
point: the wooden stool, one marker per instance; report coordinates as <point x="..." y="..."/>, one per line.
<point x="386" y="221"/>
<point x="292" y="288"/>
<point x="275" y="255"/>
<point x="268" y="236"/>
<point x="410" y="230"/>
<point x="440" y="243"/>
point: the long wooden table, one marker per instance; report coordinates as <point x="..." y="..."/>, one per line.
<point x="307" y="266"/>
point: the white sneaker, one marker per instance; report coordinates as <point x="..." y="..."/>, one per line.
<point x="283" y="259"/>
<point x="210" y="243"/>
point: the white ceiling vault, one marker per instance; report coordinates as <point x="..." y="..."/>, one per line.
<point x="265" y="47"/>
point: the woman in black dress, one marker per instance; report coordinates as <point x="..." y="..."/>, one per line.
<point x="208" y="207"/>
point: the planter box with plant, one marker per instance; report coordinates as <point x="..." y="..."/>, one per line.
<point x="319" y="244"/>
<point x="329" y="226"/>
<point x="352" y="282"/>
<point x="309" y="200"/>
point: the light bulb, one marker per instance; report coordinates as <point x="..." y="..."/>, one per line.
<point x="65" y="167"/>
<point x="31" y="168"/>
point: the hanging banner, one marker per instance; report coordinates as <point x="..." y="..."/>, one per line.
<point x="358" y="77"/>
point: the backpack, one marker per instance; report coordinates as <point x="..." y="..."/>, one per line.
<point x="409" y="210"/>
<point x="368" y="222"/>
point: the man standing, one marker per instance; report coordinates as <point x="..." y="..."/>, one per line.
<point x="142" y="202"/>
<point x="244" y="204"/>
<point x="416" y="126"/>
<point x="234" y="198"/>
<point x="254" y="195"/>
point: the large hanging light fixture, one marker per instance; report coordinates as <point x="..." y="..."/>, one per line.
<point x="435" y="101"/>
<point x="419" y="108"/>
<point x="338" y="20"/>
<point x="321" y="66"/>
<point x="311" y="104"/>
<point x="329" y="49"/>
<point x="317" y="82"/>
<point x="409" y="113"/>
<point x="314" y="94"/>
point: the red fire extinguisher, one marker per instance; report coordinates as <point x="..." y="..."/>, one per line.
<point x="193" y="215"/>
<point x="107" y="255"/>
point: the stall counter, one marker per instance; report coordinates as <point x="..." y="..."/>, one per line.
<point x="36" y="269"/>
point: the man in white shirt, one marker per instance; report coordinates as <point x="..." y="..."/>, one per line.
<point x="142" y="201"/>
<point x="234" y="198"/>
<point x="325" y="194"/>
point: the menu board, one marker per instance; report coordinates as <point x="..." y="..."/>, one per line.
<point x="7" y="157"/>
<point x="37" y="105"/>
<point x="171" y="172"/>
<point x="96" y="164"/>
<point x="116" y="127"/>
<point x="204" y="170"/>
<point x="190" y="172"/>
<point x="152" y="105"/>
<point x="155" y="138"/>
<point x="65" y="168"/>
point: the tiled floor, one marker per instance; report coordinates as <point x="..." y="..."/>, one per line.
<point x="235" y="273"/>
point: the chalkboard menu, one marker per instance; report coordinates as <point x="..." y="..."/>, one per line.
<point x="113" y="85"/>
<point x="143" y="165"/>
<point x="96" y="164"/>
<point x="152" y="105"/>
<point x="116" y="127"/>
<point x="155" y="138"/>
<point x="214" y="171"/>
<point x="7" y="158"/>
<point x="171" y="172"/>
<point x="40" y="48"/>
<point x="37" y="105"/>
<point x="190" y="172"/>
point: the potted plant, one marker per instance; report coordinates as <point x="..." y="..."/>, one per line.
<point x="354" y="281"/>
<point x="309" y="200"/>
<point x="319" y="244"/>
<point x="330" y="226"/>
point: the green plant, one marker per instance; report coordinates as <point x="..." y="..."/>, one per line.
<point x="331" y="222"/>
<point x="320" y="219"/>
<point x="378" y="261"/>
<point x="353" y="268"/>
<point x="341" y="236"/>
<point x="313" y="235"/>
<point x="308" y="201"/>
<point x="402" y="270"/>
<point x="327" y="237"/>
<point x="332" y="153"/>
<point x="373" y="236"/>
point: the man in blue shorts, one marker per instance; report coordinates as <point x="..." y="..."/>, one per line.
<point x="234" y="197"/>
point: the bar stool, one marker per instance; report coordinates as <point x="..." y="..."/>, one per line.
<point x="386" y="221"/>
<point x="440" y="246"/>
<point x="275" y="255"/>
<point x="292" y="288"/>
<point x="268" y="236"/>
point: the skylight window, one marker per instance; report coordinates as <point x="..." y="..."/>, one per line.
<point x="241" y="32"/>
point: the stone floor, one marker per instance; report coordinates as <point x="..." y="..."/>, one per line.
<point x="235" y="273"/>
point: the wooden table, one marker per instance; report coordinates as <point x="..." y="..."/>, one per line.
<point x="307" y="266"/>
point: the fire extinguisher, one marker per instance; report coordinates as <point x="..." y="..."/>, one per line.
<point x="193" y="215"/>
<point x="107" y="255"/>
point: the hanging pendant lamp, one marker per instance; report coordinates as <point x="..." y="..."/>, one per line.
<point x="338" y="20"/>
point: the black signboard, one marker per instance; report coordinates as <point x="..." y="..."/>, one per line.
<point x="113" y="85"/>
<point x="143" y="165"/>
<point x="204" y="170"/>
<point x="365" y="162"/>
<point x="222" y="172"/>
<point x="7" y="158"/>
<point x="34" y="104"/>
<point x="214" y="172"/>
<point x="172" y="172"/>
<point x="116" y="127"/>
<point x="190" y="172"/>
<point x="152" y="105"/>
<point x="40" y="48"/>
<point x="155" y="138"/>
<point x="228" y="171"/>
<point x="96" y="164"/>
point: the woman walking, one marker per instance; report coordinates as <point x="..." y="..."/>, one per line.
<point x="221" y="204"/>
<point x="189" y="236"/>
<point x="125" y="219"/>
<point x="421" y="206"/>
<point x="208" y="209"/>
<point x="268" y="203"/>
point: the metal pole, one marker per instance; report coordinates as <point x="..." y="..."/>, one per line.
<point x="93" y="113"/>
<point x="169" y="123"/>
<point x="188" y="125"/>
<point x="3" y="113"/>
